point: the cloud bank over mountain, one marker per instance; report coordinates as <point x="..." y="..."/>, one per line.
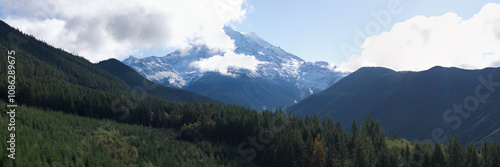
<point x="223" y="64"/>
<point x="423" y="42"/>
<point x="100" y="30"/>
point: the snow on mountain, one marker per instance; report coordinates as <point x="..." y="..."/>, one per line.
<point x="275" y="65"/>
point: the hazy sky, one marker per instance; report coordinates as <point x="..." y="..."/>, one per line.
<point x="399" y="34"/>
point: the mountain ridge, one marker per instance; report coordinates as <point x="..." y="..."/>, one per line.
<point x="279" y="69"/>
<point x="403" y="100"/>
<point x="139" y="83"/>
<point x="66" y="103"/>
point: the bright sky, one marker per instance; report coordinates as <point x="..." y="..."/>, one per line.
<point x="315" y="30"/>
<point x="399" y="34"/>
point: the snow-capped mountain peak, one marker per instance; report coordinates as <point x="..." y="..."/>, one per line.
<point x="254" y="57"/>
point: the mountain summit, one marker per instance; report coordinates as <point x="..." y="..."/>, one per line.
<point x="279" y="79"/>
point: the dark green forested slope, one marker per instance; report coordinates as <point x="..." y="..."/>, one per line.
<point x="37" y="59"/>
<point x="139" y="83"/>
<point x="50" y="138"/>
<point x="161" y="133"/>
<point x="415" y="103"/>
<point x="52" y="78"/>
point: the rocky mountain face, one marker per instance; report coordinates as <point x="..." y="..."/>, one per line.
<point x="280" y="79"/>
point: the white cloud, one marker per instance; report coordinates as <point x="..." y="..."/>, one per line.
<point x="423" y="42"/>
<point x="223" y="64"/>
<point x="99" y="30"/>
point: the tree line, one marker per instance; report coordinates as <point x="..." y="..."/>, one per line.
<point x="218" y="135"/>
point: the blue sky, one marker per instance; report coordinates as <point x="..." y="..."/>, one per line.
<point x="419" y="34"/>
<point x="314" y="31"/>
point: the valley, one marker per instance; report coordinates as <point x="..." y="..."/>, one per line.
<point x="165" y="111"/>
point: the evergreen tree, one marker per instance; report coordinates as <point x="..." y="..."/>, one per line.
<point x="393" y="161"/>
<point x="318" y="157"/>
<point x="341" y="146"/>
<point x="495" y="154"/>
<point x="354" y="128"/>
<point x="471" y="157"/>
<point x="437" y="158"/>
<point x="485" y="154"/>
<point x="454" y="152"/>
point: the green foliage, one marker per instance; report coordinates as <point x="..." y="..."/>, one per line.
<point x="49" y="138"/>
<point x="118" y="145"/>
<point x="437" y="158"/>
<point x="318" y="156"/>
<point x="471" y="156"/>
<point x="455" y="152"/>
<point x="73" y="113"/>
<point x="402" y="101"/>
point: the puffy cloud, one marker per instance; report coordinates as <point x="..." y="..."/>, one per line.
<point x="423" y="42"/>
<point x="224" y="64"/>
<point x="99" y="30"/>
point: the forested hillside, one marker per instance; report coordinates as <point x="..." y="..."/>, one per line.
<point x="416" y="104"/>
<point x="51" y="138"/>
<point x="52" y="78"/>
<point x="73" y="113"/>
